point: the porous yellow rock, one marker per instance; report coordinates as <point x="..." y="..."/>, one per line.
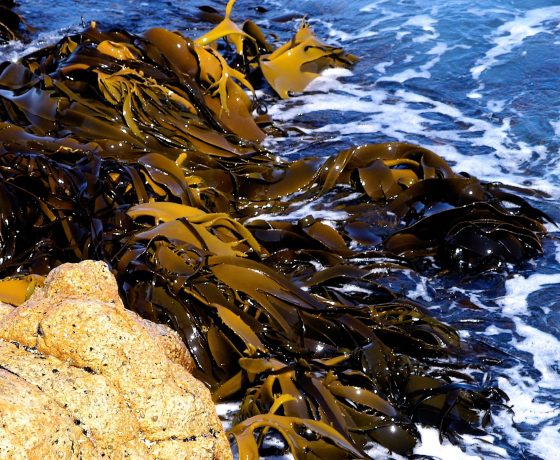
<point x="122" y="381"/>
<point x="33" y="426"/>
<point x="5" y="309"/>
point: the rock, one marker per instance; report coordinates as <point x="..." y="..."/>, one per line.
<point x="33" y="426"/>
<point x="5" y="309"/>
<point x="117" y="385"/>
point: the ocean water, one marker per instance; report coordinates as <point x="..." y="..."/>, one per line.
<point x="478" y="83"/>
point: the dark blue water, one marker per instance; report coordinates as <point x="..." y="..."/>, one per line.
<point x="477" y="82"/>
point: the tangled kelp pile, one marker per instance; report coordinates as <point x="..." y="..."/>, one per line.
<point x="143" y="151"/>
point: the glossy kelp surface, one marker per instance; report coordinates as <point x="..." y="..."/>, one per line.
<point x="143" y="151"/>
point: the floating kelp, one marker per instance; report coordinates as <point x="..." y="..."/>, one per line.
<point x="142" y="151"/>
<point x="291" y="67"/>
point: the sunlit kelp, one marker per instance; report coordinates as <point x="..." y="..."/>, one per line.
<point x="143" y="152"/>
<point x="356" y="360"/>
<point x="289" y="68"/>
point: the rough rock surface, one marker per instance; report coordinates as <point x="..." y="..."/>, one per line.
<point x="82" y="377"/>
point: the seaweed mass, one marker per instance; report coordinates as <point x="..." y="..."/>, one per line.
<point x="146" y="152"/>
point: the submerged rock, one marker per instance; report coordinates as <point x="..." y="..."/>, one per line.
<point x="83" y="377"/>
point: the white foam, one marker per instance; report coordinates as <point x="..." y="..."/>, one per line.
<point x="377" y="451"/>
<point x="438" y="50"/>
<point x="557" y="251"/>
<point x="423" y="21"/>
<point x="406" y="74"/>
<point x="426" y="23"/>
<point x="547" y="443"/>
<point x="383" y="65"/>
<point x="302" y="210"/>
<point x="370" y="30"/>
<point x="545" y="349"/>
<point x="430" y="446"/>
<point x="420" y="291"/>
<point x="494" y="330"/>
<point x="518" y="289"/>
<point x="369" y="7"/>
<point x="399" y="35"/>
<point x="522" y="393"/>
<point x="496" y="106"/>
<point x="474" y="95"/>
<point x="344" y="36"/>
<point x="227" y="411"/>
<point x="14" y="50"/>
<point x="512" y="34"/>
<point x="556" y="126"/>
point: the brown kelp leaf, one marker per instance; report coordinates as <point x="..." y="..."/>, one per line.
<point x="293" y="66"/>
<point x="435" y="194"/>
<point x="119" y="51"/>
<point x="275" y="294"/>
<point x="471" y="237"/>
<point x="225" y="97"/>
<point x="154" y="105"/>
<point x="217" y="234"/>
<point x="230" y="309"/>
<point x="226" y="29"/>
<point x="310" y="438"/>
<point x="363" y="397"/>
<point x="406" y="328"/>
<point x="327" y="236"/>
<point x="254" y="31"/>
<point x="165" y="173"/>
<point x="12" y="26"/>
<point x="382" y="183"/>
<point x="362" y="233"/>
<point x="236" y="324"/>
<point x="164" y="211"/>
<point x="226" y="100"/>
<point x="176" y="49"/>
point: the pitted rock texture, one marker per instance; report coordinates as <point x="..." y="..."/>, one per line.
<point x="82" y="377"/>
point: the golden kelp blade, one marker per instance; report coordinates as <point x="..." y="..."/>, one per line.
<point x="164" y="211"/>
<point x="328" y="444"/>
<point x="17" y="290"/>
<point x="293" y="66"/>
<point x="226" y="29"/>
<point x="216" y="233"/>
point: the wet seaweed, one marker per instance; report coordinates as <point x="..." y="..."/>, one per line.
<point x="12" y="26"/>
<point x="143" y="151"/>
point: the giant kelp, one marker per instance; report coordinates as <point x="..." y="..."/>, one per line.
<point x="143" y="151"/>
